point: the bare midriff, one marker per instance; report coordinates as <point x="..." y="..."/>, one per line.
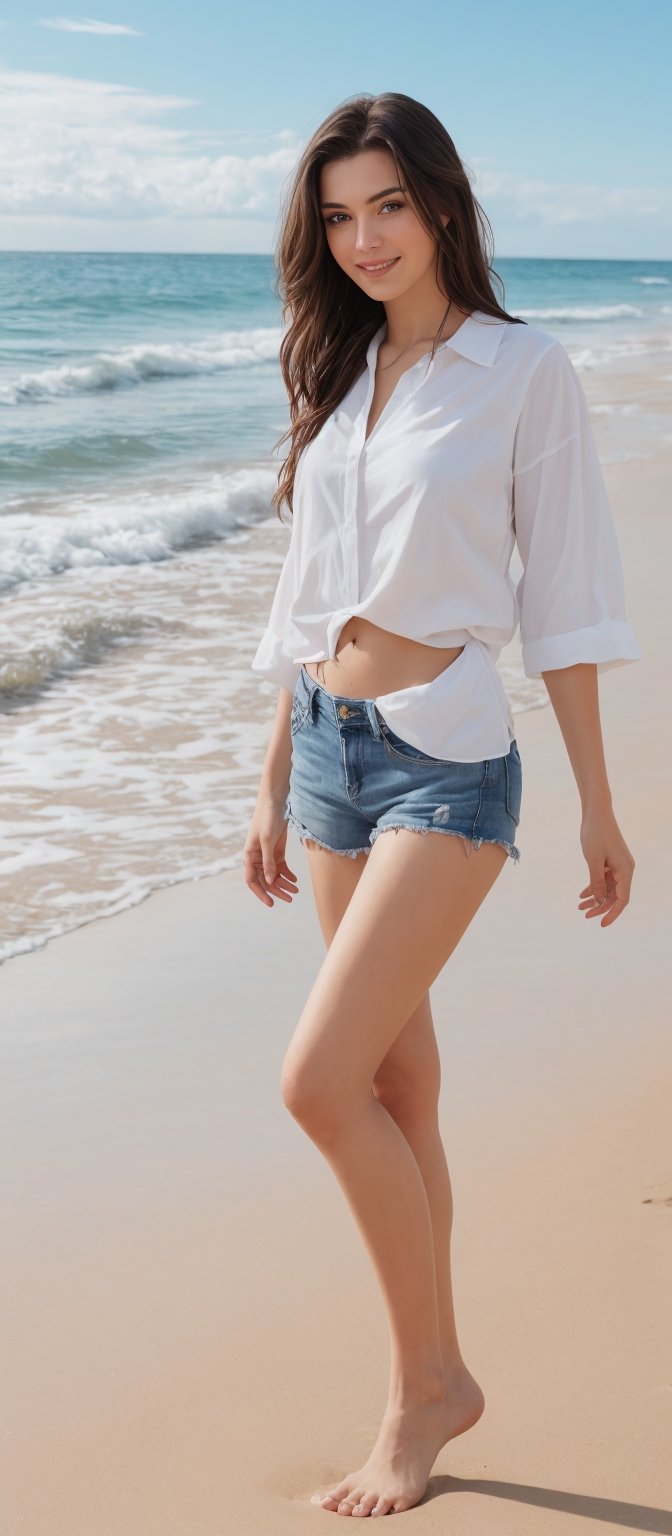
<point x="370" y="661"/>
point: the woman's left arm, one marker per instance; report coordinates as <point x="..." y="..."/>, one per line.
<point x="573" y="623"/>
<point x="573" y="692"/>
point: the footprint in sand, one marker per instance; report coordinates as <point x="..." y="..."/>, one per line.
<point x="663" y="1199"/>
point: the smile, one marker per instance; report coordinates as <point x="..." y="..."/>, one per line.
<point x="380" y="266"/>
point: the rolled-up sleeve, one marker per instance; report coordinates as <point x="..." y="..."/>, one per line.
<point x="273" y="657"/>
<point x="570" y="597"/>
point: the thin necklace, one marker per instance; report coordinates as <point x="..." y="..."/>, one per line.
<point x="382" y="367"/>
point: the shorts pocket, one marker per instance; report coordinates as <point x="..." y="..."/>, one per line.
<point x="395" y="746"/>
<point x="403" y="752"/>
<point x="514" y="782"/>
<point x="299" y="715"/>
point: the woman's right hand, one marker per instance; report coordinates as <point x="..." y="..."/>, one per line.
<point x="265" y="868"/>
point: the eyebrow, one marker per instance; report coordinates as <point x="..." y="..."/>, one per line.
<point x="373" y="199"/>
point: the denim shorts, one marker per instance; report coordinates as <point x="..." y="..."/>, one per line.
<point x="352" y="778"/>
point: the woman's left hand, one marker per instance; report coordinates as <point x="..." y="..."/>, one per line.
<point x="610" y="864"/>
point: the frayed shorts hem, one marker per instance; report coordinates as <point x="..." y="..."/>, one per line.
<point x="304" y="835"/>
<point x="469" y="842"/>
<point x="396" y="826"/>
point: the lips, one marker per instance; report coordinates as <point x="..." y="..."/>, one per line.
<point x="373" y="270"/>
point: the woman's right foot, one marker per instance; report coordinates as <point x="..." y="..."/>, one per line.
<point x="397" y="1472"/>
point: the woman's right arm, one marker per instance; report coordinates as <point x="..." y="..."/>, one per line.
<point x="264" y="863"/>
<point x="278" y="761"/>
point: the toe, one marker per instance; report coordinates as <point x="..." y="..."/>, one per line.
<point x="366" y="1504"/>
<point x="324" y="1500"/>
<point x="382" y="1507"/>
<point x="332" y="1498"/>
<point x="342" y="1489"/>
<point x="347" y="1504"/>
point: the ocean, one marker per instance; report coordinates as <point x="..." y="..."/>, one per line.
<point x="140" y="402"/>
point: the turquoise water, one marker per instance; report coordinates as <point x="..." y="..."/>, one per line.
<point x="116" y="367"/>
<point x="140" y="402"/>
<point x="113" y="367"/>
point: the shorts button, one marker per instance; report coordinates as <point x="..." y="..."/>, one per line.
<point x="343" y="711"/>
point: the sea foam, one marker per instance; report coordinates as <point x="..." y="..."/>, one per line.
<point x="143" y="527"/>
<point x="145" y="363"/>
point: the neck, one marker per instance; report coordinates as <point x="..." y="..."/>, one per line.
<point x="402" y="336"/>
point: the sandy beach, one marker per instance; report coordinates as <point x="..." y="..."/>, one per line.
<point x="192" y="1339"/>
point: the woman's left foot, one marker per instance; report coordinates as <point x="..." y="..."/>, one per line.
<point x="397" y="1472"/>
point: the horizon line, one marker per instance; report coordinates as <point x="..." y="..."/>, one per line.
<point x="67" y="251"/>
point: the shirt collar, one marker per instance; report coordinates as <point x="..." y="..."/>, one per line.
<point x="477" y="339"/>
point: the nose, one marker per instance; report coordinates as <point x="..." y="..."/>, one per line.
<point x="365" y="241"/>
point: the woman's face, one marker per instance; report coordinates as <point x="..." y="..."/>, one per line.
<point x="372" y="221"/>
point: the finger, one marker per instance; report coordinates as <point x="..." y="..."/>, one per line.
<point x="598" y="881"/>
<point x="273" y="870"/>
<point x="617" y="898"/>
<point x="285" y="885"/>
<point x="618" y="907"/>
<point x="254" y="879"/>
<point x="266" y="857"/>
<point x="258" y="887"/>
<point x="605" y="874"/>
<point x="614" y="911"/>
<point x="592" y="902"/>
<point x="284" y="891"/>
<point x="287" y="874"/>
<point x="281" y="894"/>
<point x="279" y="879"/>
<point x="599" y="908"/>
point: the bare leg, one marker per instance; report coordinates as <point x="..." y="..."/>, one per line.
<point x="408" y="1084"/>
<point x="409" y="910"/>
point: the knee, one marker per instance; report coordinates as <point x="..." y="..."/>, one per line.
<point x="294" y="1088"/>
<point x="408" y="1096"/>
<point x="310" y="1099"/>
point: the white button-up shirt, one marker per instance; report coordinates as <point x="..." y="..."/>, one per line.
<point x="485" y="445"/>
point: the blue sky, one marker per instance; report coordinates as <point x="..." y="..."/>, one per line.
<point x="147" y="125"/>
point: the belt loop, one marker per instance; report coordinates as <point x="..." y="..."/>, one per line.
<point x="312" y="691"/>
<point x="373" y="717"/>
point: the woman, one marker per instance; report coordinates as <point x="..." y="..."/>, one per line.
<point x="425" y="439"/>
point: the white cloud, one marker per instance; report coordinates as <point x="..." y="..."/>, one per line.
<point x="558" y="203"/>
<point x="76" y="148"/>
<point x="77" y="156"/>
<point x="88" y="24"/>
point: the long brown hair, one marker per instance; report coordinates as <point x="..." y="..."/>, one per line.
<point x="324" y="348"/>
